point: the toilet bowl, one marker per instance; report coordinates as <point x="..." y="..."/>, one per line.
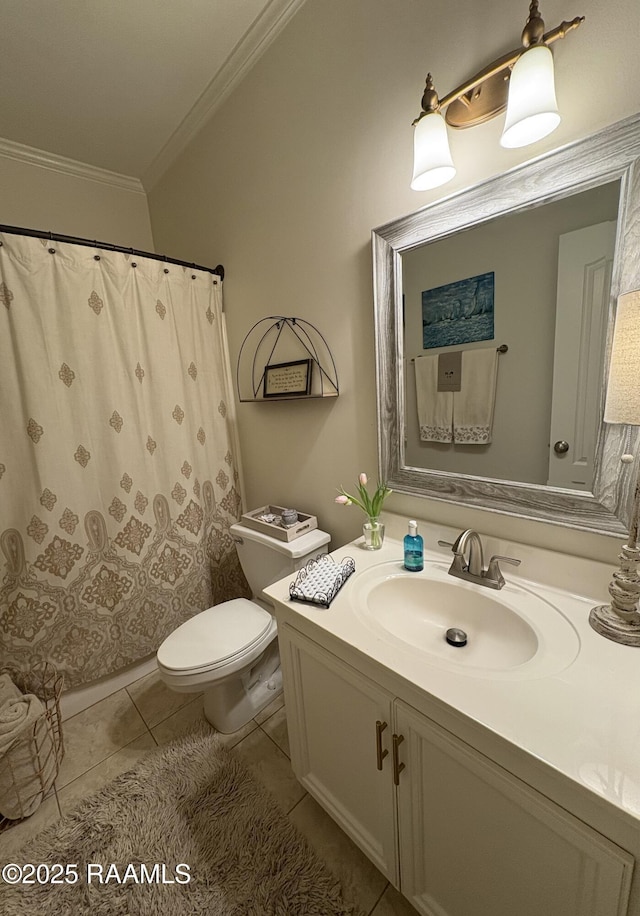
<point x="230" y="651"/>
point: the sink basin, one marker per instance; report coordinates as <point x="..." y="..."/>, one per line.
<point x="511" y="632"/>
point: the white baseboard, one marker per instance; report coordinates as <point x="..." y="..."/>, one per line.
<point x="79" y="698"/>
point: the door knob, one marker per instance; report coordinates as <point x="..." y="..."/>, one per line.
<point x="560" y="447"/>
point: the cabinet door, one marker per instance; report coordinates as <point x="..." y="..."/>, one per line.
<point x="476" y="840"/>
<point x="332" y="716"/>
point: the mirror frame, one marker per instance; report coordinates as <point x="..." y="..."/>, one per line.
<point x="613" y="154"/>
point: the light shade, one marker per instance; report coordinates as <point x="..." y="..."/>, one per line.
<point x="623" y="390"/>
<point x="432" y="162"/>
<point x="532" y="110"/>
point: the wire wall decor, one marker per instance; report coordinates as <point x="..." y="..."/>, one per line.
<point x="282" y="358"/>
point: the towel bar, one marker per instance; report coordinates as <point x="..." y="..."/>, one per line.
<point x="503" y="348"/>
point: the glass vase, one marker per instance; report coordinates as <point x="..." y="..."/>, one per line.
<point x="373" y="532"/>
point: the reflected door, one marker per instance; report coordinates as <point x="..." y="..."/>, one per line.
<point x="585" y="259"/>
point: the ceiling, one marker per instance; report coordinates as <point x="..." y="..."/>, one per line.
<point x="124" y="84"/>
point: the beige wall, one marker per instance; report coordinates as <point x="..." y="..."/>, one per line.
<point x="34" y="197"/>
<point x="314" y="149"/>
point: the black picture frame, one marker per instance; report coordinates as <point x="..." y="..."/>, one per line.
<point x="285" y="380"/>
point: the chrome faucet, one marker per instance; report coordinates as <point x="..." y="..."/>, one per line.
<point x="472" y="569"/>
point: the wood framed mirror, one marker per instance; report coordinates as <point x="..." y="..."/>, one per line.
<point x="527" y="211"/>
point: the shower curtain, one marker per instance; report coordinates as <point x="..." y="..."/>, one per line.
<point x="118" y="475"/>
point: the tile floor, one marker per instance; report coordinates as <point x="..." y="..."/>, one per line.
<point x="108" y="738"/>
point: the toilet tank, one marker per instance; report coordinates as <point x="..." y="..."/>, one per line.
<point x="265" y="559"/>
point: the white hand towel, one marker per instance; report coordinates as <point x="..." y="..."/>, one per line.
<point x="435" y="408"/>
<point x="27" y="757"/>
<point x="473" y="405"/>
<point x="17" y="717"/>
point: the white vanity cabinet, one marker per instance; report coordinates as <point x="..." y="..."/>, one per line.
<point x="339" y="752"/>
<point x="454" y="831"/>
<point x="475" y="840"/>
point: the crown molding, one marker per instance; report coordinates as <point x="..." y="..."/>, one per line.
<point x="262" y="32"/>
<point x="44" y="160"/>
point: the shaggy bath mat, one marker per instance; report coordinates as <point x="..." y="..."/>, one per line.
<point x="190" y="814"/>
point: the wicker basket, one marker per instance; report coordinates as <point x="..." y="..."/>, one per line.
<point x="42" y="746"/>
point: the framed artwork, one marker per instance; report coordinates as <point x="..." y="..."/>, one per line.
<point x="287" y="379"/>
<point x="459" y="312"/>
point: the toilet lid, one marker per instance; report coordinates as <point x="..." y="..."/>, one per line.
<point x="215" y="635"/>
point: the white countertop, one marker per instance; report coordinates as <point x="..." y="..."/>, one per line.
<point x="583" y="721"/>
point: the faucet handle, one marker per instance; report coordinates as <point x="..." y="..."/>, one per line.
<point x="446" y="544"/>
<point x="494" y="574"/>
<point x="458" y="559"/>
<point x="504" y="560"/>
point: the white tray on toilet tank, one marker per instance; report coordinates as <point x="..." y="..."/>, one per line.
<point x="304" y="525"/>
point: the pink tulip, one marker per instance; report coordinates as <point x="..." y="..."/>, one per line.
<point x="343" y="500"/>
<point x="363" y="479"/>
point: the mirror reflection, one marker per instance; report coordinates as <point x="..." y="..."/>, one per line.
<point x="510" y="471"/>
<point x="538" y="283"/>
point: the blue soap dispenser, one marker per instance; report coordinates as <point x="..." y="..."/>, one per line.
<point x="413" y="549"/>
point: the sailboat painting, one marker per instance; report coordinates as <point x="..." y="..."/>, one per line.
<point x="458" y="313"/>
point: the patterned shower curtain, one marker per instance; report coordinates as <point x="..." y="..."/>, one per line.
<point x="118" y="479"/>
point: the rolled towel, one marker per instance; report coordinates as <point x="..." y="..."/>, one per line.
<point x="27" y="755"/>
<point x="8" y="690"/>
<point x="17" y="716"/>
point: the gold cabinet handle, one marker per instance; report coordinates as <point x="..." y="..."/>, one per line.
<point x="380" y="754"/>
<point x="397" y="767"/>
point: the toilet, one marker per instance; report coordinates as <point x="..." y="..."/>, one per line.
<point x="230" y="650"/>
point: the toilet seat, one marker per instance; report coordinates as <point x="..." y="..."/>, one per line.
<point x="216" y="638"/>
<point x="229" y="653"/>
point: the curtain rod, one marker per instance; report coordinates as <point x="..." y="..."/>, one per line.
<point x="107" y="246"/>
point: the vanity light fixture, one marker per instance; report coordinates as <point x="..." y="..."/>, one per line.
<point x="521" y="82"/>
<point x="620" y="620"/>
